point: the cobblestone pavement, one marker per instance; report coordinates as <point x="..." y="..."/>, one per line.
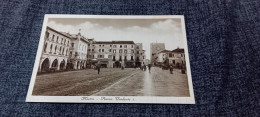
<point x="113" y="82"/>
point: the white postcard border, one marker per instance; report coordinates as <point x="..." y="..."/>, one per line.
<point x="110" y="99"/>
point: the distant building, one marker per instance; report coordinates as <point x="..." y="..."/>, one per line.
<point x="146" y="61"/>
<point x="162" y="56"/>
<point x="175" y="57"/>
<point x="55" y="51"/>
<point x="140" y="55"/>
<point x="155" y="48"/>
<point x="116" y="54"/>
<point x="90" y="54"/>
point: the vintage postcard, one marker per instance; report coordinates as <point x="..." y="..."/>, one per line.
<point x="112" y="59"/>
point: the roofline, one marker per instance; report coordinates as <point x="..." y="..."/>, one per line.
<point x="57" y="32"/>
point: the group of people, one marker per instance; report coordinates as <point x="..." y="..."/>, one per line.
<point x="144" y="67"/>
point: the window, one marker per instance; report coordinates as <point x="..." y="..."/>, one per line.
<point x="89" y="49"/>
<point x="72" y="44"/>
<point x="63" y="51"/>
<point x="170" y="55"/>
<point x="64" y="41"/>
<point x="99" y="45"/>
<point x="45" y="47"/>
<point x="57" y="39"/>
<point x="102" y="50"/>
<point x="125" y="58"/>
<point x="88" y="44"/>
<point x="114" y="51"/>
<point x="93" y="50"/>
<point x="125" y="51"/>
<point x="110" y="50"/>
<point x="173" y="61"/>
<point x="125" y="46"/>
<point x="114" y="46"/>
<point x="61" y="40"/>
<point x="133" y="51"/>
<point x="103" y="45"/>
<point x="60" y="50"/>
<point x="120" y="51"/>
<point x="68" y="43"/>
<point x="53" y="37"/>
<point x="51" y="48"/>
<point x="132" y="58"/>
<point x="47" y="35"/>
<point x="55" y="49"/>
<point x="132" y="46"/>
<point x="110" y="45"/>
<point x="137" y="47"/>
<point x="66" y="52"/>
<point x="120" y="58"/>
<point x="120" y="46"/>
<point x="100" y="56"/>
<point x="99" y="50"/>
<point x="137" y="52"/>
<point x="114" y="58"/>
<point x="143" y="57"/>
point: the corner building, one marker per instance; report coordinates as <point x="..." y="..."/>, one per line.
<point x="55" y="51"/>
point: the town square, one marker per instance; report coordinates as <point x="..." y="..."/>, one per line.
<point x="85" y="63"/>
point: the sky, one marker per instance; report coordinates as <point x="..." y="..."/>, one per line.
<point x="143" y="31"/>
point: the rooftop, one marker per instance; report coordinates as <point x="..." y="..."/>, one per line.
<point x="178" y="50"/>
<point x="114" y="42"/>
<point x="165" y="51"/>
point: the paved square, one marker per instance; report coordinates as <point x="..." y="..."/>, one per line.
<point x="113" y="82"/>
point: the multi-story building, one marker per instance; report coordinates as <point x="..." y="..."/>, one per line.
<point x="140" y="55"/>
<point x="155" y="48"/>
<point x="175" y="57"/>
<point x="118" y="53"/>
<point x="90" y="54"/>
<point x="55" y="51"/>
<point x="162" y="56"/>
<point x="78" y="51"/>
<point x="102" y="53"/>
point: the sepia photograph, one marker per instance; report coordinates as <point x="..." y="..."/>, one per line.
<point x="112" y="59"/>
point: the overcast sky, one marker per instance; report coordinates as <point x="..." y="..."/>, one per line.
<point x="144" y="31"/>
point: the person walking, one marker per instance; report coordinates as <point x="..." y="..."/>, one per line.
<point x="171" y="69"/>
<point x="149" y="67"/>
<point x="98" y="67"/>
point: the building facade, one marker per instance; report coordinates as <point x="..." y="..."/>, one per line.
<point x="140" y="55"/>
<point x="117" y="54"/>
<point x="78" y="51"/>
<point x="55" y="51"/>
<point x="162" y="56"/>
<point x="155" y="49"/>
<point x="175" y="57"/>
<point x="73" y="51"/>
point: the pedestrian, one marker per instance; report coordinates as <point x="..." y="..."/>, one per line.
<point x="98" y="67"/>
<point x="122" y="67"/>
<point x="171" y="69"/>
<point x="149" y="67"/>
